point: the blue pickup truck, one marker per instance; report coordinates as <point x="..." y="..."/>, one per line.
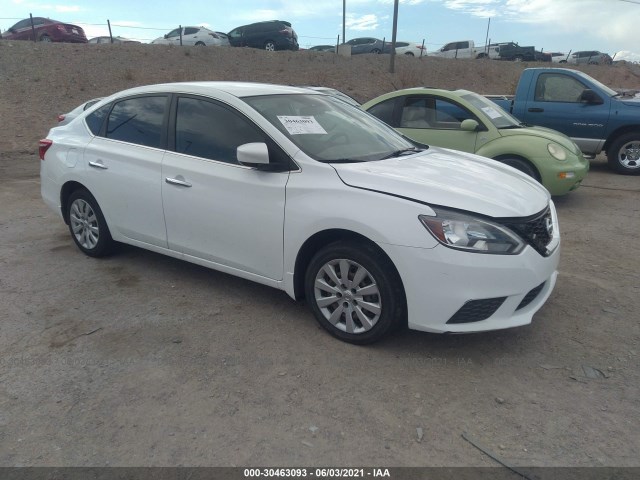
<point x="596" y="117"/>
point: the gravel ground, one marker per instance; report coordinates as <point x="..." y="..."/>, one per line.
<point x="141" y="359"/>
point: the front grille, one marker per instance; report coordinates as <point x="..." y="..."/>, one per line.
<point x="529" y="297"/>
<point x="537" y="232"/>
<point x="477" y="310"/>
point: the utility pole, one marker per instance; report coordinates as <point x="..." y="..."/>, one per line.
<point x="393" y="36"/>
<point x="344" y="19"/>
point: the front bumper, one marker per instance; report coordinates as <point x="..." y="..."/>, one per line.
<point x="439" y="282"/>
<point x="563" y="177"/>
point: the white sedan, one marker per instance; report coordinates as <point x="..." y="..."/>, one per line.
<point x="199" y="36"/>
<point x="300" y="191"/>
<point x="411" y="49"/>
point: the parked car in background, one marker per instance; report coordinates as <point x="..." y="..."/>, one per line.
<point x="558" y="57"/>
<point x="299" y="191"/>
<point x="324" y="48"/>
<point x="368" y="45"/>
<point x="271" y="35"/>
<point x="511" y="51"/>
<point x="199" y="36"/>
<point x="106" y="39"/>
<point x="469" y="122"/>
<point x="65" y="118"/>
<point x="590" y="57"/>
<point x="411" y="49"/>
<point x="595" y="116"/>
<point x="46" y="30"/>
<point x="466" y="49"/>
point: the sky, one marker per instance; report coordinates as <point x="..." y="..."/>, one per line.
<point x="551" y="25"/>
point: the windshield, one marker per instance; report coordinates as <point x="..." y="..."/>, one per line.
<point x="607" y="90"/>
<point x="328" y="129"/>
<point x="492" y="111"/>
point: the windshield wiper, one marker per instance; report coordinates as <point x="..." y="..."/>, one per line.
<point x="344" y="160"/>
<point x="397" y="153"/>
<point x="509" y="127"/>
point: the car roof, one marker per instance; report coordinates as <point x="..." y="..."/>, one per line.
<point x="237" y="89"/>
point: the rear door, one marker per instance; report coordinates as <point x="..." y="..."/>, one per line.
<point x="123" y="165"/>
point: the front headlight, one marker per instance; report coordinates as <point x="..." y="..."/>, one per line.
<point x="557" y="151"/>
<point x="465" y="232"/>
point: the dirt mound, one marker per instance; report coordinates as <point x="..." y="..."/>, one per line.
<point x="39" y="81"/>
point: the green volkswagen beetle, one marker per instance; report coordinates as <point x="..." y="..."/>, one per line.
<point x="466" y="121"/>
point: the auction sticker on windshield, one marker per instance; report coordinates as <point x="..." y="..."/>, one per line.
<point x="299" y="125"/>
<point x="491" y="112"/>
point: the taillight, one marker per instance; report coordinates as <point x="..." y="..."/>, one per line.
<point x="286" y="31"/>
<point x="62" y="28"/>
<point x="43" y="146"/>
<point x="61" y="117"/>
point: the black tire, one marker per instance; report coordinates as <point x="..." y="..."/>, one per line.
<point x="45" y="38"/>
<point x="624" y="154"/>
<point x="375" y="51"/>
<point x="200" y="44"/>
<point x="378" y="276"/>
<point x="518" y="58"/>
<point x="87" y="225"/>
<point x="410" y="54"/>
<point x="270" y="46"/>
<point x="522" y="165"/>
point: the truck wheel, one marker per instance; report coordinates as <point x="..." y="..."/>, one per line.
<point x="518" y="58"/>
<point x="522" y="165"/>
<point x="624" y="154"/>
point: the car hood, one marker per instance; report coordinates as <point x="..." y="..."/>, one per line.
<point x="452" y="179"/>
<point x="632" y="102"/>
<point x="546" y="133"/>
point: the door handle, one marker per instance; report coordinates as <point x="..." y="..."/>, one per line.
<point x="98" y="164"/>
<point x="536" y="110"/>
<point x="177" y="181"/>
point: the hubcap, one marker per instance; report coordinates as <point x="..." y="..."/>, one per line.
<point x="270" y="47"/>
<point x="348" y="296"/>
<point x="84" y="224"/>
<point x="629" y="155"/>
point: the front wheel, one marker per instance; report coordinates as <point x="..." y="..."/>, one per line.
<point x="409" y="54"/>
<point x="87" y="225"/>
<point x="624" y="154"/>
<point x="355" y="292"/>
<point x="519" y="58"/>
<point x="521" y="165"/>
<point x="200" y="44"/>
<point x="375" y="51"/>
<point x="270" y="46"/>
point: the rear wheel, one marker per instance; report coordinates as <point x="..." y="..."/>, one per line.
<point x="518" y="58"/>
<point x="376" y="51"/>
<point x="270" y="46"/>
<point x="200" y="44"/>
<point x="410" y="54"/>
<point x="355" y="292"/>
<point x="45" y="38"/>
<point x="87" y="225"/>
<point x="624" y="154"/>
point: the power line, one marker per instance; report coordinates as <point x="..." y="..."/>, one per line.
<point x="631" y="1"/>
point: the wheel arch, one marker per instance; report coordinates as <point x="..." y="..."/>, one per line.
<point x="618" y="133"/>
<point x="507" y="156"/>
<point x="321" y="239"/>
<point x="65" y="193"/>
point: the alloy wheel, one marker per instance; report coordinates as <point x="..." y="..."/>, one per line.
<point x="84" y="224"/>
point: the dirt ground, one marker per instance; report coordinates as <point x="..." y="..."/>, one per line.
<point x="141" y="359"/>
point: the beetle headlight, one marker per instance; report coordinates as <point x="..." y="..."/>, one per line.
<point x="557" y="151"/>
<point x="471" y="234"/>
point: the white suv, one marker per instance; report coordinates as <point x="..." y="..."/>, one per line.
<point x="303" y="192"/>
<point x="200" y="36"/>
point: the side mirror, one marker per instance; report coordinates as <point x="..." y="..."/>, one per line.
<point x="469" y="125"/>
<point x="253" y="154"/>
<point x="590" y="97"/>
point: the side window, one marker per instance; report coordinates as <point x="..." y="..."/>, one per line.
<point x="450" y="115"/>
<point x="38" y="21"/>
<point x="462" y="45"/>
<point x="384" y="111"/>
<point x="208" y="130"/>
<point x="417" y="113"/>
<point x="191" y="31"/>
<point x="174" y="33"/>
<point x="95" y="119"/>
<point x="552" y="87"/>
<point x="21" y="24"/>
<point x="449" y="46"/>
<point x="138" y="120"/>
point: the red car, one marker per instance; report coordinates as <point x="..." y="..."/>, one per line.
<point x="46" y="30"/>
